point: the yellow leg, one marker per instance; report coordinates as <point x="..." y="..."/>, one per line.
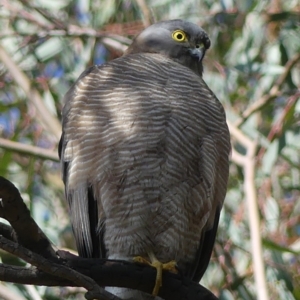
<point x="154" y="262"/>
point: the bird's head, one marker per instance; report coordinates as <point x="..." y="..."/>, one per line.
<point x="182" y="41"/>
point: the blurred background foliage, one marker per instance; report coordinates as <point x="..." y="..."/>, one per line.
<point x="253" y="68"/>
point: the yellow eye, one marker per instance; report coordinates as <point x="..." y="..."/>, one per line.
<point x="179" y="36"/>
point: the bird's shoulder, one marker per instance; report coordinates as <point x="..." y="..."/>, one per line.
<point x="137" y="64"/>
<point x="138" y="69"/>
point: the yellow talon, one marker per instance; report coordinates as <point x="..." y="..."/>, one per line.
<point x="141" y="260"/>
<point x="155" y="263"/>
<point x="170" y="266"/>
<point x="158" y="281"/>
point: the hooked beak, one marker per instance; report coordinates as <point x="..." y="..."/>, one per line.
<point x="198" y="52"/>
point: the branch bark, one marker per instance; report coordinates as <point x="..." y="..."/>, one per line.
<point x="14" y="210"/>
<point x="110" y="273"/>
<point x="248" y="163"/>
<point x="55" y="268"/>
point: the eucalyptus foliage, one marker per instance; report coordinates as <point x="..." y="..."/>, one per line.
<point x="254" y="45"/>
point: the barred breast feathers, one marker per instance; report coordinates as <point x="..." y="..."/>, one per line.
<point x="137" y="131"/>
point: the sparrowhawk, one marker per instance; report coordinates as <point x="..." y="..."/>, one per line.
<point x="145" y="153"/>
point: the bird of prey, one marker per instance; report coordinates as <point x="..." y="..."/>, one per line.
<point x="145" y="153"/>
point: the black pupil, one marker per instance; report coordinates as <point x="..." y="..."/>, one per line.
<point x="179" y="36"/>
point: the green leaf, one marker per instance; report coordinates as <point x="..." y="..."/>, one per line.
<point x="274" y="246"/>
<point x="270" y="157"/>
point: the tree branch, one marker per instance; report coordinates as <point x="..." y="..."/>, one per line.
<point x="55" y="269"/>
<point x="248" y="163"/>
<point x="14" y="210"/>
<point x="28" y="149"/>
<point x="110" y="273"/>
<point x="8" y="232"/>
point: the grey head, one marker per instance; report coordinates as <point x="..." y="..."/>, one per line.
<point x="182" y="41"/>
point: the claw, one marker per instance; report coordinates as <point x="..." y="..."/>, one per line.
<point x="155" y="263"/>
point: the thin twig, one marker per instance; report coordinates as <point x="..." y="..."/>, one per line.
<point x="45" y="13"/>
<point x="28" y="149"/>
<point x="71" y="31"/>
<point x="147" y="17"/>
<point x="20" y="12"/>
<point x="277" y="127"/>
<point x="114" y="44"/>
